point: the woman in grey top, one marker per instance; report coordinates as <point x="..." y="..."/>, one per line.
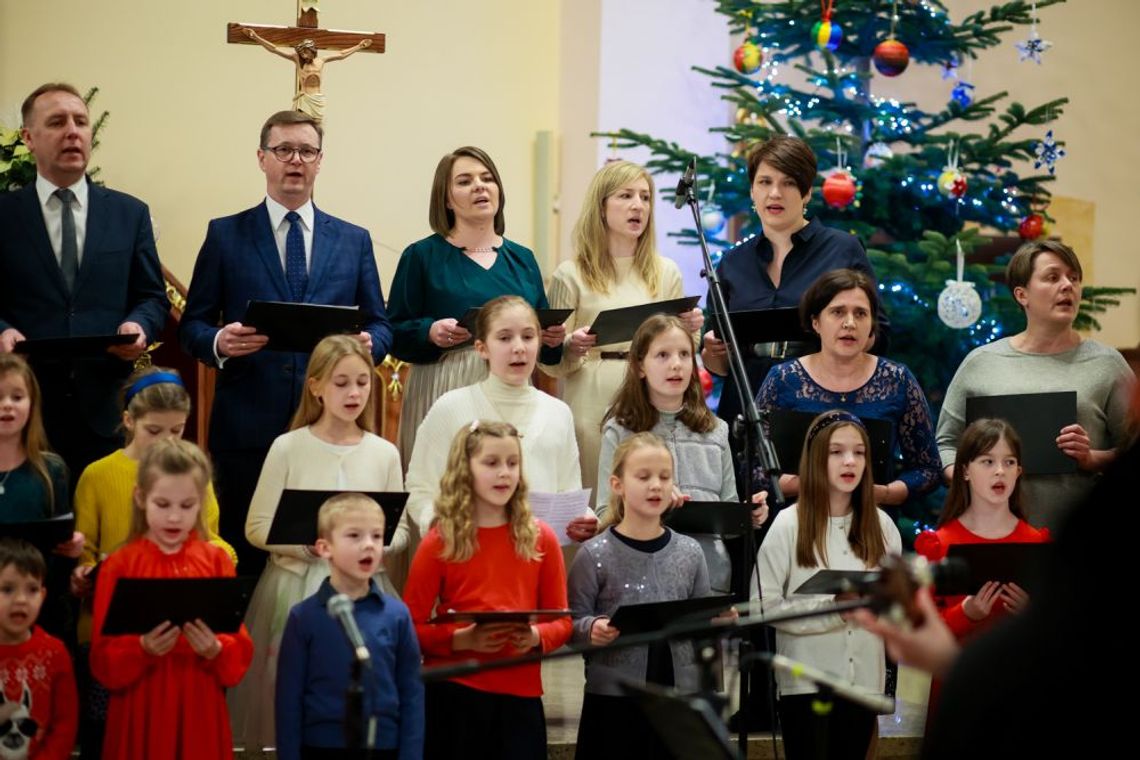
<point x="1048" y="355"/>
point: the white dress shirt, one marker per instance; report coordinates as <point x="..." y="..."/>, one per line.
<point x="52" y="208"/>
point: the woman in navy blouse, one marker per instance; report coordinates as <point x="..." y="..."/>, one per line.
<point x="842" y="309"/>
<point x="773" y="269"/>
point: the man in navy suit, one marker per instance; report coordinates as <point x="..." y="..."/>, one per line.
<point x="76" y="259"/>
<point x="283" y="249"/>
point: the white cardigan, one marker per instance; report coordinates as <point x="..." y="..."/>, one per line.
<point x="843" y="649"/>
<point x="298" y="459"/>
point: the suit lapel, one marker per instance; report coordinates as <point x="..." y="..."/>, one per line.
<point x="33" y="219"/>
<point x="97" y="199"/>
<point x="266" y="246"/>
<point x="326" y="237"/>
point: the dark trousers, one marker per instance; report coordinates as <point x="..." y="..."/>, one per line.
<point x="235" y="479"/>
<point x="616" y="727"/>
<point x="93" y="699"/>
<point x="324" y="753"/>
<point x="68" y="432"/>
<point x="477" y="725"/>
<point x="844" y="733"/>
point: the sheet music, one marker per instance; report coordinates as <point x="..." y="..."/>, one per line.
<point x="558" y="509"/>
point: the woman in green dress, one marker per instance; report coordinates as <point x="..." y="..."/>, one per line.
<point x="462" y="265"/>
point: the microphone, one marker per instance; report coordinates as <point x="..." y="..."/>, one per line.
<point x="682" y="193"/>
<point x="877" y="703"/>
<point x="340" y="608"/>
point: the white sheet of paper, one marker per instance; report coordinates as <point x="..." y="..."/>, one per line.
<point x="558" y="509"/>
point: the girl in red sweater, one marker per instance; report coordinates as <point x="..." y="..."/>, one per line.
<point x="983" y="507"/>
<point x="486" y="551"/>
<point x="167" y="686"/>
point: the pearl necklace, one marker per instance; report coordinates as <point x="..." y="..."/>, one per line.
<point x="481" y="249"/>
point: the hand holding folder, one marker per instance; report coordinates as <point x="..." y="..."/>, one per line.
<point x="139" y="605"/>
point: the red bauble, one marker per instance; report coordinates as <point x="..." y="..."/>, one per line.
<point x="706" y="380"/>
<point x="839" y="190"/>
<point x="891" y="57"/>
<point x="1031" y="227"/>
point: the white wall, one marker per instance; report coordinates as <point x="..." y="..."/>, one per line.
<point x="644" y="82"/>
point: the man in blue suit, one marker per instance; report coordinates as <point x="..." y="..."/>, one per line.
<point x="283" y="249"/>
<point x="76" y="259"/>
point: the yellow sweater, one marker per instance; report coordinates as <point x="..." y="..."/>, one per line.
<point x="103" y="507"/>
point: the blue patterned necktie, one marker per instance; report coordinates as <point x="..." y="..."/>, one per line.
<point x="296" y="273"/>
<point x="69" y="246"/>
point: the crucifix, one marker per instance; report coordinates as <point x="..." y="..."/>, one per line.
<point x="299" y="44"/>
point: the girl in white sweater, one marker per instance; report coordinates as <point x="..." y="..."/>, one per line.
<point x="330" y="447"/>
<point x="507" y="336"/>
<point x="835" y="525"/>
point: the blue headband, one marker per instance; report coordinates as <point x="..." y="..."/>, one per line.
<point x="148" y="380"/>
<point x="830" y="418"/>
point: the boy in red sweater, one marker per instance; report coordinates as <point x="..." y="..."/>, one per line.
<point x="39" y="711"/>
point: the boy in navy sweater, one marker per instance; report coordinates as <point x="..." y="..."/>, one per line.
<point x="315" y="660"/>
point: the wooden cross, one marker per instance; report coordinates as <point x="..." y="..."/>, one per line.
<point x="300" y="44"/>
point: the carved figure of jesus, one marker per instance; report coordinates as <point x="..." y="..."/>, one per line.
<point x="308" y="98"/>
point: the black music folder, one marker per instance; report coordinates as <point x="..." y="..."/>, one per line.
<point x="1017" y="563"/>
<point x="300" y="327"/>
<point x="524" y="617"/>
<point x="295" y="521"/>
<point x="754" y="326"/>
<point x="789" y="427"/>
<point x="717" y="518"/>
<point x="546" y="318"/>
<point x="138" y="605"/>
<point x="80" y="347"/>
<point x="45" y="535"/>
<point x="1038" y="419"/>
<point x="619" y="325"/>
<point x="653" y="616"/>
<point x="833" y="582"/>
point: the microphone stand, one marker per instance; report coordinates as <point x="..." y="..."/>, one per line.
<point x="757" y="448"/>
<point x="700" y="630"/>
<point x="354" y="737"/>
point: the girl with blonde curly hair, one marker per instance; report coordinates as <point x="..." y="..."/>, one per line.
<point x="486" y="552"/>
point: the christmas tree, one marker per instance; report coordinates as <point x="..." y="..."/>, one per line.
<point x="913" y="185"/>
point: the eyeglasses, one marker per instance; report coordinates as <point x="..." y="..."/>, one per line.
<point x="26" y="726"/>
<point x="285" y="153"/>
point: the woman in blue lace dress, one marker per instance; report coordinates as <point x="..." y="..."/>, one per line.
<point x="841" y="306"/>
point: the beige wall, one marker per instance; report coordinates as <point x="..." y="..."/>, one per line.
<point x="186" y="107"/>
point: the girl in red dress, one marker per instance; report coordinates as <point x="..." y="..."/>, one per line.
<point x="983" y="507"/>
<point x="167" y="686"/>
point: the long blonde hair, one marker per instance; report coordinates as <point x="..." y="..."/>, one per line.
<point x="590" y="236"/>
<point x="814" y="506"/>
<point x="170" y="456"/>
<point x="615" y="510"/>
<point x="322" y="362"/>
<point x="32" y="437"/>
<point x="455" y="507"/>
